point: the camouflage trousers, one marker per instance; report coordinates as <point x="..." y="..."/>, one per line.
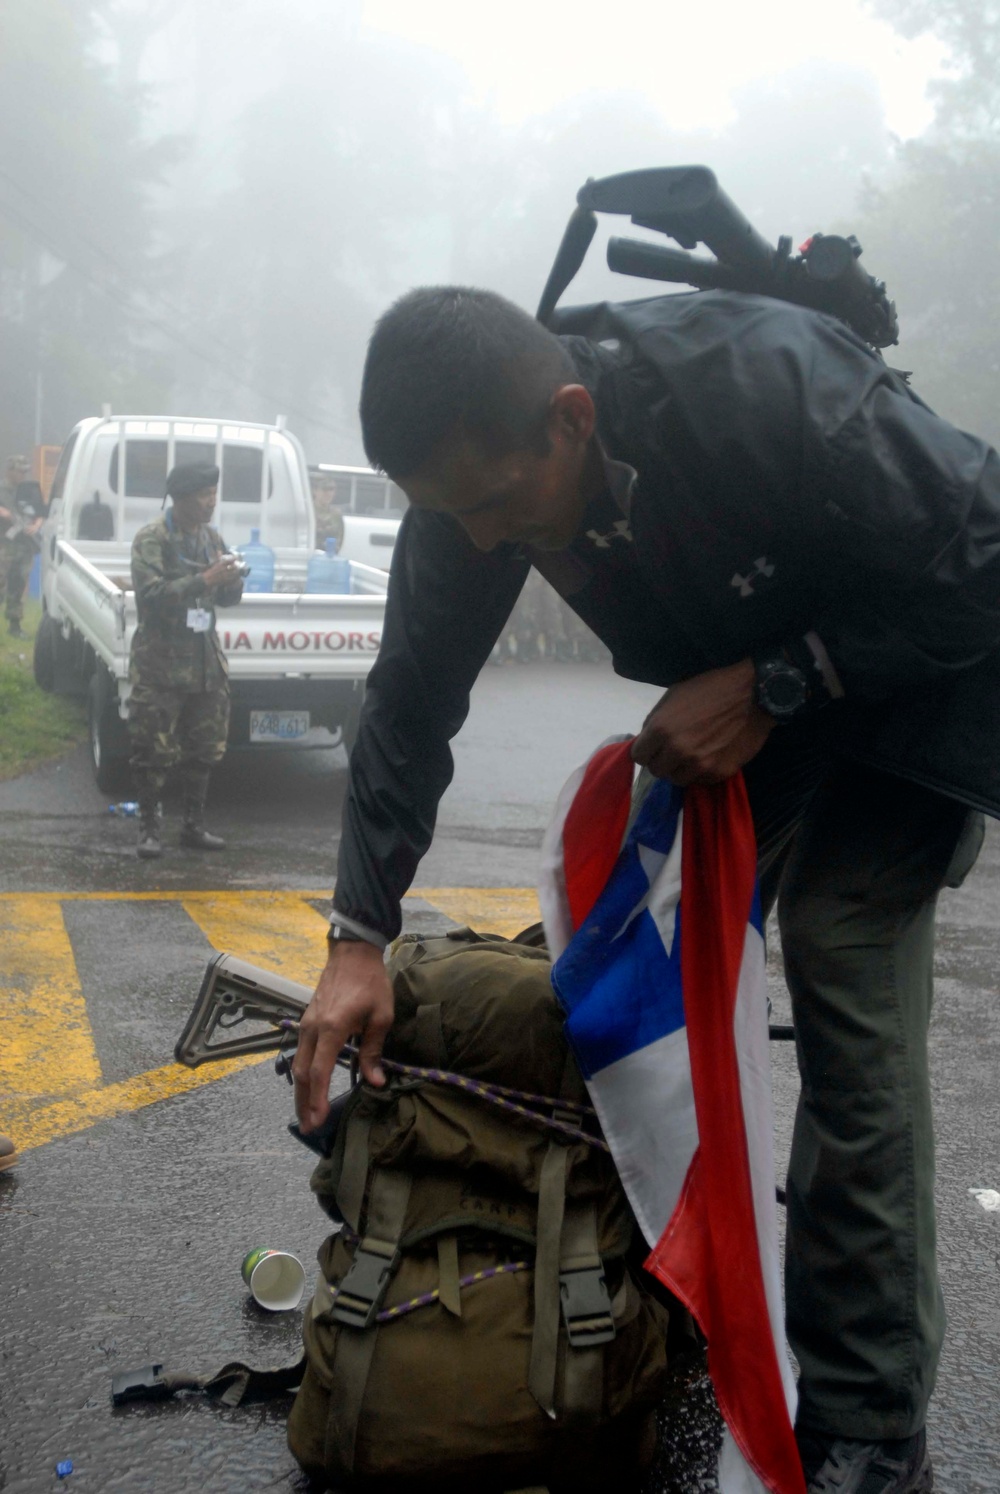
<point x="169" y="727"/>
<point x="15" y="568"/>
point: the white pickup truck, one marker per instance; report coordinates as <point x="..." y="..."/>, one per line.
<point x="297" y="660"/>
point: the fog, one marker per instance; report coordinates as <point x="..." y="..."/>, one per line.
<point x="203" y="207"/>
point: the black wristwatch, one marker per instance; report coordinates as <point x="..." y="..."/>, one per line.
<point x="782" y="688"/>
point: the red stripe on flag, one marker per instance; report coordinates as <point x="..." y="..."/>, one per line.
<point x="594" y="826"/>
<point x="708" y="1254"/>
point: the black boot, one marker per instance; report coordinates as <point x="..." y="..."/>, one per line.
<point x="841" y="1465"/>
<point x="149" y="789"/>
<point x="193" y="832"/>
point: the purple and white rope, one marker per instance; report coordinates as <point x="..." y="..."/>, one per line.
<point x="495" y="1094"/>
<point x="426" y="1298"/>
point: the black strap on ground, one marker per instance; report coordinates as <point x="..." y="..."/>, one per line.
<point x="231" y="1383"/>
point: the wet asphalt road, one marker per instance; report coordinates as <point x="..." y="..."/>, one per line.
<point x="120" y="1244"/>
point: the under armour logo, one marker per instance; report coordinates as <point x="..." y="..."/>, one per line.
<point x="761" y="567"/>
<point x="618" y="531"/>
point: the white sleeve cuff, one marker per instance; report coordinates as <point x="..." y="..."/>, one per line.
<point x="359" y="930"/>
<point x="824" y="664"/>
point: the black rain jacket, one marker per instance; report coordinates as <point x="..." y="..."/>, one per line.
<point x="788" y="483"/>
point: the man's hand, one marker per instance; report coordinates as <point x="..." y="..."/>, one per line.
<point x="352" y="999"/>
<point x="705" y="728"/>
<point x="223" y="573"/>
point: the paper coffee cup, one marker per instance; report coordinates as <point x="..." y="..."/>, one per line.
<point x="275" y="1278"/>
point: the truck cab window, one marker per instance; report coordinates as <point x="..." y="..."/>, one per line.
<point x="145" y="469"/>
<point x="59" y="481"/>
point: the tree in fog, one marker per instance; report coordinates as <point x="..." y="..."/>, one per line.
<point x="333" y="176"/>
<point x="76" y="265"/>
<point x="328" y="167"/>
<point x="931" y="230"/>
<point x="792" y="157"/>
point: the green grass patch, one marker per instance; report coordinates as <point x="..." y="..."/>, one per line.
<point x="34" y="727"/>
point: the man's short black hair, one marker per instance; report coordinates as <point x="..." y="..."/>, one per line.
<point x="447" y="360"/>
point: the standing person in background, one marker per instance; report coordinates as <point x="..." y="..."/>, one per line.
<point x="329" y="519"/>
<point x="25" y="542"/>
<point x="179" y="706"/>
<point x="17" y="472"/>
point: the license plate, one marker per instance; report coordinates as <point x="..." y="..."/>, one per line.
<point x="278" y="726"/>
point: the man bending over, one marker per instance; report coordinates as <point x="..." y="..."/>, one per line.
<point x="749" y="508"/>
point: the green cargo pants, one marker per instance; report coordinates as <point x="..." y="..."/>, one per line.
<point x="855" y="860"/>
<point x="21" y="557"/>
<point x="169" y="727"/>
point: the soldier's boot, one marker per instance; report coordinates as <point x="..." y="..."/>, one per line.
<point x="149" y="789"/>
<point x="193" y="832"/>
<point x="149" y="847"/>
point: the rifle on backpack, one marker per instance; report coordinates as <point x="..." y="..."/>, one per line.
<point x="235" y="994"/>
<point x="687" y="204"/>
<point x="481" y="1319"/>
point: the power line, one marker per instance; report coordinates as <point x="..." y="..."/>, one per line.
<point x="45" y="239"/>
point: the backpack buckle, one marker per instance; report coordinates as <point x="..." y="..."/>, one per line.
<point x="586" y="1306"/>
<point x="361" y="1293"/>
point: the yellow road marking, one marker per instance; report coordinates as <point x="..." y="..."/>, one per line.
<point x="36" y="1125"/>
<point x="490" y="910"/>
<point x="166" y="895"/>
<point x="50" y="1079"/>
<point x="47" y="1046"/>
<point x="277" y="930"/>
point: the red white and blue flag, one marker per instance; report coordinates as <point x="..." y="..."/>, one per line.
<point x="658" y="951"/>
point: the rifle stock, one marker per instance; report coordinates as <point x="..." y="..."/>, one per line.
<point x="232" y="992"/>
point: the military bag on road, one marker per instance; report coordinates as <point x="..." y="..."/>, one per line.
<point x="480" y="1320"/>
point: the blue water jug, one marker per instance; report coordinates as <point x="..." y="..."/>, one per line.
<point x="328" y="572"/>
<point x="260" y="559"/>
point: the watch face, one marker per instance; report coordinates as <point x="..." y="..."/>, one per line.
<point x="783" y="692"/>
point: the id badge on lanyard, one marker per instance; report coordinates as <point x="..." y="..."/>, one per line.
<point x="199" y="620"/>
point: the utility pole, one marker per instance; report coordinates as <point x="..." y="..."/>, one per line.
<point x="39" y="394"/>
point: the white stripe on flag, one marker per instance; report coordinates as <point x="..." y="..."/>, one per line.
<point x="734" y="1472"/>
<point x="753" y="1052"/>
<point x="553" y="899"/>
<point x="646" y="1108"/>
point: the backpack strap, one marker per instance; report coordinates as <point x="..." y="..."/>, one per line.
<point x="586" y="1311"/>
<point x="376" y="1255"/>
<point x="548" y="1248"/>
<point x="449" y="1283"/>
<point x="428" y="1036"/>
<point x="354" y="1170"/>
<point x="548" y="1256"/>
<point x="569" y="1273"/>
<point x="356" y="1304"/>
<point x="231" y="1383"/>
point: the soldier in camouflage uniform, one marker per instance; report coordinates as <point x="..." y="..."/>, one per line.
<point x="329" y="518"/>
<point x="17" y="471"/>
<point x="179" y="705"/>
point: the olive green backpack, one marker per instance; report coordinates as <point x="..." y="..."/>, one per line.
<point x="481" y="1320"/>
